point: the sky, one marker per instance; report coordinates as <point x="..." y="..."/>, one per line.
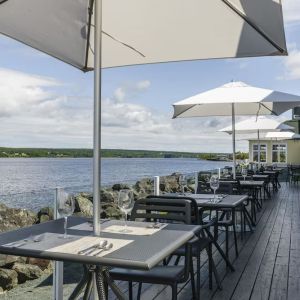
<point x="46" y="103"/>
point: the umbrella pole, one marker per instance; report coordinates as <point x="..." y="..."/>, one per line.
<point x="233" y="141"/>
<point x="97" y="118"/>
<point x="97" y="127"/>
<point x="258" y="139"/>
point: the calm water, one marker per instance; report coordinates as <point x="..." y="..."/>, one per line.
<point x="29" y="182"/>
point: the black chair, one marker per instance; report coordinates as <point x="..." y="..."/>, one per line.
<point x="154" y="210"/>
<point x="204" y="242"/>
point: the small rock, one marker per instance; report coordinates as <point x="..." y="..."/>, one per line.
<point x="27" y="271"/>
<point x="8" y="260"/>
<point x="8" y="279"/>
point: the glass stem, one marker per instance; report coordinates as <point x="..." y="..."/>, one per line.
<point x="214" y="195"/>
<point x="65" y="227"/>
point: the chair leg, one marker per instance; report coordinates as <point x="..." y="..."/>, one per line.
<point x="235" y="240"/>
<point x="174" y="292"/>
<point x="139" y="291"/>
<point x="242" y="223"/>
<point x="209" y="253"/>
<point x="227" y="243"/>
<point x="130" y="290"/>
<point x="193" y="279"/>
<point x="216" y="275"/>
<point x="198" y="275"/>
<point x="177" y="260"/>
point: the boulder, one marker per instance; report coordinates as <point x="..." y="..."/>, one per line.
<point x="110" y="211"/>
<point x="43" y="264"/>
<point x="120" y="186"/>
<point x="45" y="214"/>
<point x="170" y="184"/>
<point x="8" y="279"/>
<point x="107" y="196"/>
<point x="13" y="218"/>
<point x="144" y="187"/>
<point x="27" y="271"/>
<point x="8" y="260"/>
<point x="83" y="206"/>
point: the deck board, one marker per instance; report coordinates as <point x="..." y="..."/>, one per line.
<point x="268" y="263"/>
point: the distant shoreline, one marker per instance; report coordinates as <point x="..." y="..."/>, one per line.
<point x="6" y="152"/>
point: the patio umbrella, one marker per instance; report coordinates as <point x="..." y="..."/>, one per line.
<point x="258" y="125"/>
<point x="235" y="98"/>
<point x="92" y="34"/>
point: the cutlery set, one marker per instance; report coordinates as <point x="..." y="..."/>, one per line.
<point x="101" y="247"/>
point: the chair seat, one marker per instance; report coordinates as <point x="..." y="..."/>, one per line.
<point x="158" y="274"/>
<point x="203" y="243"/>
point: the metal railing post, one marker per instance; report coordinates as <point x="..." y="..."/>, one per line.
<point x="196" y="182"/>
<point x="58" y="277"/>
<point x="156" y="186"/>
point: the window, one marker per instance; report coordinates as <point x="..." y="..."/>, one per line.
<point x="263" y="152"/>
<point x="279" y="153"/>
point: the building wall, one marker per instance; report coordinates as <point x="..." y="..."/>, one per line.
<point x="293" y="150"/>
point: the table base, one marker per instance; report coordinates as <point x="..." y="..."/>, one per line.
<point x="103" y="281"/>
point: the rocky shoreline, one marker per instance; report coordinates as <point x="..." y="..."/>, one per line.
<point x="17" y="270"/>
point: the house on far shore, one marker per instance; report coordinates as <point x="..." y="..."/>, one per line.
<point x="278" y="147"/>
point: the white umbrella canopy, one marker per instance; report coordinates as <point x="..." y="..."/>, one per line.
<point x="235" y="98"/>
<point x="261" y="124"/>
<point x="143" y="31"/>
<point x="277" y="135"/>
<point x="247" y="100"/>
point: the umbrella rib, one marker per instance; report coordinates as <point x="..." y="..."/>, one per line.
<point x="273" y="112"/>
<point x="254" y="26"/>
<point x="90" y="11"/>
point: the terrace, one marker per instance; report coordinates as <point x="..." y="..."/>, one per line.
<point x="268" y="262"/>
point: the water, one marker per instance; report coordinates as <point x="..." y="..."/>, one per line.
<point x="30" y="182"/>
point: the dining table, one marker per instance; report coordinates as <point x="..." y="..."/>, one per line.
<point x="141" y="246"/>
<point x="218" y="203"/>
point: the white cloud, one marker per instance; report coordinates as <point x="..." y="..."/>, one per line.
<point x="291" y="65"/>
<point x="34" y="116"/>
<point x="291" y="10"/>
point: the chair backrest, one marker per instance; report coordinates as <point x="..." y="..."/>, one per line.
<point x="154" y="209"/>
<point x="225" y="188"/>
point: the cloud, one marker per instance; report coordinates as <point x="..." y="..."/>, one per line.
<point x="291" y="11"/>
<point x="20" y="92"/>
<point x="291" y="65"/>
<point x="130" y="90"/>
<point x="35" y="113"/>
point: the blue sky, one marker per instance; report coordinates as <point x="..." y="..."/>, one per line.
<point x="46" y="103"/>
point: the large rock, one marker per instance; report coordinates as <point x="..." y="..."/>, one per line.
<point x="13" y="218"/>
<point x="144" y="187"/>
<point x="44" y="264"/>
<point x="45" y="214"/>
<point x="110" y="211"/>
<point x="120" y="186"/>
<point x="8" y="260"/>
<point x="83" y="206"/>
<point x="170" y="184"/>
<point x="108" y="196"/>
<point x="27" y="271"/>
<point x="8" y="279"/>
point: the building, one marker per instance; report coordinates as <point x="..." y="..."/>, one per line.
<point x="278" y="147"/>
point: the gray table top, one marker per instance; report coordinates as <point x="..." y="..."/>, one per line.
<point x="260" y="176"/>
<point x="252" y="182"/>
<point x="144" y="252"/>
<point x="204" y="200"/>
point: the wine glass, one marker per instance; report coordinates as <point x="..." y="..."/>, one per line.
<point x="214" y="184"/>
<point x="125" y="204"/>
<point x="183" y="182"/>
<point x="65" y="208"/>
<point x="244" y="173"/>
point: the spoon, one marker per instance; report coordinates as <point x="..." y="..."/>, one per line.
<point x="105" y="248"/>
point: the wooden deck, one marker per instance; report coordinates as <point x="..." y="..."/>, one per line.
<point x="269" y="260"/>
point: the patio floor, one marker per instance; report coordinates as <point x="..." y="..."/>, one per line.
<point x="269" y="259"/>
